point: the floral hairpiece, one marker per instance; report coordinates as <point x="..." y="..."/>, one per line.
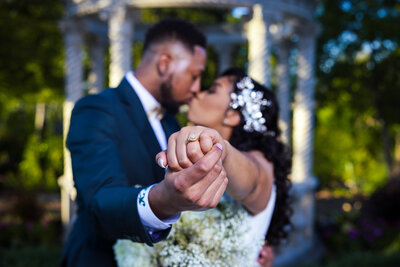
<point x="252" y="103"/>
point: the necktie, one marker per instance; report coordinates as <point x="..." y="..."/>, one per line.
<point x="157" y="112"/>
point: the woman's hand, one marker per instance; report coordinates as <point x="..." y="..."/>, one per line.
<point x="266" y="257"/>
<point x="189" y="145"/>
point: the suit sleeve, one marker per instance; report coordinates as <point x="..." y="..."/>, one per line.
<point x="101" y="183"/>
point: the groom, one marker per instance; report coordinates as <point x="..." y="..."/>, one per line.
<point x="113" y="139"/>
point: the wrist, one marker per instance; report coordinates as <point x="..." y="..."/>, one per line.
<point x="225" y="152"/>
<point x="159" y="203"/>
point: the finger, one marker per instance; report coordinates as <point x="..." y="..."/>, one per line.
<point x="161" y="159"/>
<point x="210" y="181"/>
<point x="194" y="192"/>
<point x="262" y="258"/>
<point x="194" y="151"/>
<point x="208" y="138"/>
<point x="171" y="154"/>
<point x="261" y="261"/>
<point x="221" y="190"/>
<point x="263" y="252"/>
<point x="206" y="199"/>
<point x="180" y="149"/>
<point x="203" y="167"/>
<point x="266" y="256"/>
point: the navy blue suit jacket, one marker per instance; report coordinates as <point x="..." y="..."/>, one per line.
<point x="113" y="150"/>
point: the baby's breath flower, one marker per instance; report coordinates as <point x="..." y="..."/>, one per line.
<point x="210" y="238"/>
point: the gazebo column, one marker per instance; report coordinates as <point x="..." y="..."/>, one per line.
<point x="224" y="52"/>
<point x="120" y="32"/>
<point x="304" y="183"/>
<point x="96" y="75"/>
<point x="259" y="46"/>
<point x="303" y="114"/>
<point x="283" y="93"/>
<point x="73" y="91"/>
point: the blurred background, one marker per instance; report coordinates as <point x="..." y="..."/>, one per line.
<point x="355" y="218"/>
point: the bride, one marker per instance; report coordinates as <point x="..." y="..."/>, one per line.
<point x="244" y="115"/>
<point x="241" y="115"/>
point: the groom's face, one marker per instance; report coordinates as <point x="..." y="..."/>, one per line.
<point x="185" y="77"/>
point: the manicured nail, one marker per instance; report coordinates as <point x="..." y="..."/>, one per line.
<point x="218" y="145"/>
<point x="161" y="163"/>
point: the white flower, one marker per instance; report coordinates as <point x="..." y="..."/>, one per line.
<point x="130" y="254"/>
<point x="210" y="238"/>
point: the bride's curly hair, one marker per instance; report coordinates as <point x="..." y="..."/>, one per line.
<point x="273" y="149"/>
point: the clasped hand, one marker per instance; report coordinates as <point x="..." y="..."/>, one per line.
<point x="195" y="179"/>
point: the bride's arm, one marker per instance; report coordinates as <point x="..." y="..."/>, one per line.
<point x="250" y="178"/>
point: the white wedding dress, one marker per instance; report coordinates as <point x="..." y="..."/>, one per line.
<point x="258" y="225"/>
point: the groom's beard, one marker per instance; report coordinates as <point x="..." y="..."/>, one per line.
<point x="167" y="99"/>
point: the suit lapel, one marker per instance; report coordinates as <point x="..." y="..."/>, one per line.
<point x="169" y="124"/>
<point x="136" y="113"/>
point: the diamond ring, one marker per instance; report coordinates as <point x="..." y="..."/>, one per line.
<point x="192" y="138"/>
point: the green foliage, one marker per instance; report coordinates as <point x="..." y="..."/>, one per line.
<point x="29" y="158"/>
<point x="347" y="154"/>
<point x="31" y="47"/>
<point x="31" y="72"/>
<point x="33" y="256"/>
<point x="137" y="53"/>
<point x="15" y="127"/>
<point x="240" y="56"/>
<point x="357" y="93"/>
<point x="42" y="163"/>
<point x="195" y="15"/>
<point x="211" y="70"/>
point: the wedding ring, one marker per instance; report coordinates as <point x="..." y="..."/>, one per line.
<point x="192" y="138"/>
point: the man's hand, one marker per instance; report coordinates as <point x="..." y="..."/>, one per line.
<point x="182" y="153"/>
<point x="199" y="186"/>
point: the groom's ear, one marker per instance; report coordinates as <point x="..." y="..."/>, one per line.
<point x="232" y="118"/>
<point x="163" y="64"/>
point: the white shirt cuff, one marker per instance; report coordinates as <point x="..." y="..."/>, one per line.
<point x="148" y="218"/>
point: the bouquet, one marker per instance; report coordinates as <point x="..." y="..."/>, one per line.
<point x="211" y="238"/>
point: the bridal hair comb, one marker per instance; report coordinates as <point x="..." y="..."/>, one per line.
<point x="251" y="103"/>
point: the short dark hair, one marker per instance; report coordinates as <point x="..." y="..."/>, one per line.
<point x="175" y="29"/>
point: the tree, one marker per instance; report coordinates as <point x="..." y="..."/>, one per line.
<point x="358" y="61"/>
<point x="31" y="73"/>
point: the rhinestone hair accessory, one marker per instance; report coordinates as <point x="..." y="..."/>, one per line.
<point x="252" y="103"/>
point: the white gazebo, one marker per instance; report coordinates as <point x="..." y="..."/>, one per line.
<point x="282" y="25"/>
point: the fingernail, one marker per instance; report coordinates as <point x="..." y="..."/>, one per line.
<point x="218" y="145"/>
<point x="161" y="163"/>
